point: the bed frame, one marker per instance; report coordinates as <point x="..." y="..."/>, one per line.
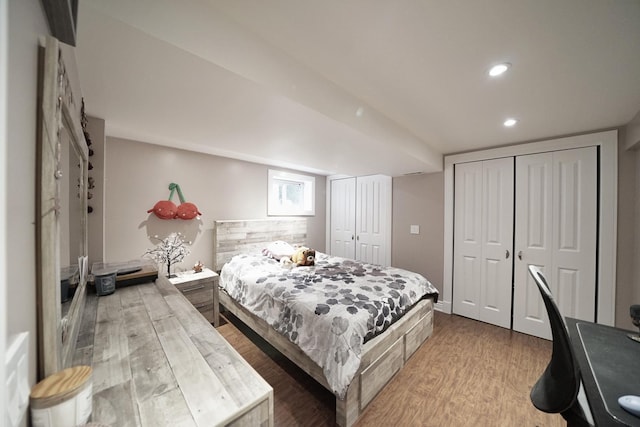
<point x="382" y="357"/>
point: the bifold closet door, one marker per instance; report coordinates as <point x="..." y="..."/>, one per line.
<point x="343" y="217"/>
<point x="483" y="240"/>
<point x="556" y="230"/>
<point x="361" y="218"/>
<point x="373" y="219"/>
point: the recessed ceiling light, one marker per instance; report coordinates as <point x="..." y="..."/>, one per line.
<point x="510" y="122"/>
<point x="499" y="69"/>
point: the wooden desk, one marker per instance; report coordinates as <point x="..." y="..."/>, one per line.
<point x="610" y="366"/>
<point x="157" y="362"/>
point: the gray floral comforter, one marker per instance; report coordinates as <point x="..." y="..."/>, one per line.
<point x="328" y="310"/>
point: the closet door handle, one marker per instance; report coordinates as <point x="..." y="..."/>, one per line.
<point x="352" y="237"/>
<point x="506" y="256"/>
<point x="520" y="255"/>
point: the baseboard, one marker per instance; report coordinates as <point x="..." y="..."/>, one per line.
<point x="443" y="306"/>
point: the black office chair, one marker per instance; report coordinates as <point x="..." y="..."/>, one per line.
<point x="556" y="391"/>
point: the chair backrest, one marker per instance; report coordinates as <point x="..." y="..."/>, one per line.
<point x="557" y="389"/>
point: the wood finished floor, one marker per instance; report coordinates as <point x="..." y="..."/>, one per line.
<point x="468" y="373"/>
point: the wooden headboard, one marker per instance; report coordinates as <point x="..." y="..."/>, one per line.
<point x="237" y="236"/>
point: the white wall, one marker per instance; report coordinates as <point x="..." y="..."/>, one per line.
<point x="632" y="132"/>
<point x="419" y="200"/>
<point x="628" y="227"/>
<point x="4" y="10"/>
<point x="95" y="128"/>
<point x="636" y="254"/>
<point x="26" y="22"/>
<point x="138" y="175"/>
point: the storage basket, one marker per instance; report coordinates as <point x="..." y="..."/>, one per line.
<point x="105" y="281"/>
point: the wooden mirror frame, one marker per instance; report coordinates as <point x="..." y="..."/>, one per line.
<point x="59" y="110"/>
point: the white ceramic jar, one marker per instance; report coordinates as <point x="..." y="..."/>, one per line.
<point x="62" y="399"/>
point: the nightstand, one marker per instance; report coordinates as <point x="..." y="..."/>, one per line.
<point x="201" y="289"/>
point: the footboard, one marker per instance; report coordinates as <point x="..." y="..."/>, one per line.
<point x="381" y="359"/>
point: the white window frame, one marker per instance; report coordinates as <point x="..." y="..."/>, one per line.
<point x="275" y="208"/>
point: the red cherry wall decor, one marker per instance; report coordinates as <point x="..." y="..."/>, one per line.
<point x="166" y="209"/>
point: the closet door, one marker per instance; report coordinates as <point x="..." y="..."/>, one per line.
<point x="467" y="244"/>
<point x="556" y="230"/>
<point x="373" y="219"/>
<point x="343" y="217"/>
<point x="483" y="240"/>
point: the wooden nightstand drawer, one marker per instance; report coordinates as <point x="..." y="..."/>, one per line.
<point x="189" y="288"/>
<point x="201" y="291"/>
<point x="207" y="311"/>
<point x="202" y="298"/>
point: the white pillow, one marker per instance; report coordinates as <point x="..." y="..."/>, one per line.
<point x="278" y="249"/>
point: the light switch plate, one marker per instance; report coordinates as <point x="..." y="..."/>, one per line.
<point x="17" y="379"/>
<point x="415" y="229"/>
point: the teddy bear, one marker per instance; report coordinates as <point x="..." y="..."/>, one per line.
<point x="304" y="256"/>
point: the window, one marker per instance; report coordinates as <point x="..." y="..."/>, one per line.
<point x="291" y="194"/>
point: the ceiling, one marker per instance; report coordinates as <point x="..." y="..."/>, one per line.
<point x="356" y="86"/>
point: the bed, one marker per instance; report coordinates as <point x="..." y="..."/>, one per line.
<point x="389" y="311"/>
